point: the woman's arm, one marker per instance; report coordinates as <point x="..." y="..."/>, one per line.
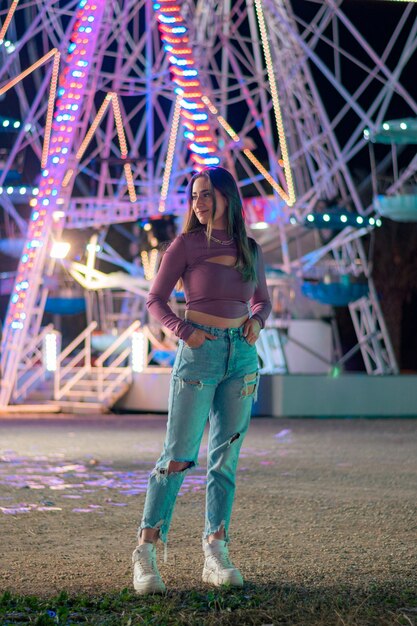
<point x="173" y="266"/>
<point x="260" y="303"/>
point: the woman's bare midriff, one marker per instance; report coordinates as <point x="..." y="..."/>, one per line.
<point x="212" y="320"/>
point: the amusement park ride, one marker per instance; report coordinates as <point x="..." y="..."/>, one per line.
<point x="114" y="104"/>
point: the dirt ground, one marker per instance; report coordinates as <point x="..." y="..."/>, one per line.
<point x="319" y="503"/>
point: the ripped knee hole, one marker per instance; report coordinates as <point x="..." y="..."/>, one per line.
<point x="178" y="466"/>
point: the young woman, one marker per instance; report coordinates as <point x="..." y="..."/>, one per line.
<point x="215" y="374"/>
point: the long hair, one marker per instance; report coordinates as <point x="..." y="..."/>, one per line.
<point x="220" y="179"/>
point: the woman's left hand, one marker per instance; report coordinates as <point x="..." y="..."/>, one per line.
<point x="251" y="330"/>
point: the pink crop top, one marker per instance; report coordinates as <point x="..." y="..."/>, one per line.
<point x="209" y="287"/>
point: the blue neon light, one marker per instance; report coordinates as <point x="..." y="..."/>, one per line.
<point x="166" y="20"/>
<point x="189" y="105"/>
<point x="199" y="149"/>
<point x="212" y="161"/>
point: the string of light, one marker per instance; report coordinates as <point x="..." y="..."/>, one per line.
<point x="149" y="263"/>
<point x="90" y="133"/>
<point x="275" y="103"/>
<point x="28" y="71"/>
<point x="123" y="147"/>
<point x="50" y="109"/>
<point x="248" y="153"/>
<point x="8" y="19"/>
<point x="170" y="156"/>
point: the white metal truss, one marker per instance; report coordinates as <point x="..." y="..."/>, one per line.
<point x="370" y="330"/>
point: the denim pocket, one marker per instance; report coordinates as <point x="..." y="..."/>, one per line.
<point x="251" y="345"/>
<point x="194" y="349"/>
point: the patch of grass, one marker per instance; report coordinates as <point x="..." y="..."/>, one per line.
<point x="377" y="605"/>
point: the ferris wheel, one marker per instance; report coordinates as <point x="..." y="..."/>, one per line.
<point x="114" y="104"/>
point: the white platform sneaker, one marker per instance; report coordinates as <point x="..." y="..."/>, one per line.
<point x="218" y="570"/>
<point x="146" y="577"/>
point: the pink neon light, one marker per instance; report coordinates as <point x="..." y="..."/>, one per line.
<point x="53" y="173"/>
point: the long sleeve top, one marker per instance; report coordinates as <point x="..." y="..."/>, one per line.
<point x="210" y="287"/>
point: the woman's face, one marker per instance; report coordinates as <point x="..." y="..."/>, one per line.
<point x="202" y="203"/>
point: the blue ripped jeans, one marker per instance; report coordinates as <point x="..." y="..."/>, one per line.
<point x="218" y="381"/>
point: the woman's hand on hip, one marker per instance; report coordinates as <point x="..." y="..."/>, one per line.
<point x="251" y="330"/>
<point x="198" y="337"/>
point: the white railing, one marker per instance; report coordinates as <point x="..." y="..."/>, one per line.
<point x="33" y="368"/>
<point x="79" y="379"/>
<point x="77" y="367"/>
<point x="110" y="377"/>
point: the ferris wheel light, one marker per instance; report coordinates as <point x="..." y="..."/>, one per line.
<point x="403" y="126"/>
<point x="259" y="225"/>
<point x="310" y="218"/>
<point x="343" y="218"/>
<point x="166" y="20"/>
<point x="180" y="62"/>
<point x="10" y="47"/>
<point x="189" y="73"/>
<point x="371" y="221"/>
<point x="290" y="198"/>
<point x="190" y="105"/>
<point x="60" y="249"/>
<point x="6" y="123"/>
<point x="8" y="19"/>
<point x="207" y="161"/>
<point x="359" y="219"/>
<point x="172" y="9"/>
<point x="197" y="117"/>
<point x="378" y="222"/>
<point x="293" y="220"/>
<point x="252" y="158"/>
<point x="385" y="126"/>
<point x="9" y="190"/>
<point x="52" y="177"/>
<point x="201" y="149"/>
<point x="326" y="218"/>
<point x="149" y="263"/>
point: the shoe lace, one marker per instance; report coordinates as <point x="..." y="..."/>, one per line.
<point x="222" y="558"/>
<point x="147" y="564"/>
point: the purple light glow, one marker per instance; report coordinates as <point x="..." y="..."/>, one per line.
<point x="46" y="473"/>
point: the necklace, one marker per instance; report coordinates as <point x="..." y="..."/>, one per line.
<point x="222" y="243"/>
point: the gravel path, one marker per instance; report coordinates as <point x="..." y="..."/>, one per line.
<point x="320" y="503"/>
